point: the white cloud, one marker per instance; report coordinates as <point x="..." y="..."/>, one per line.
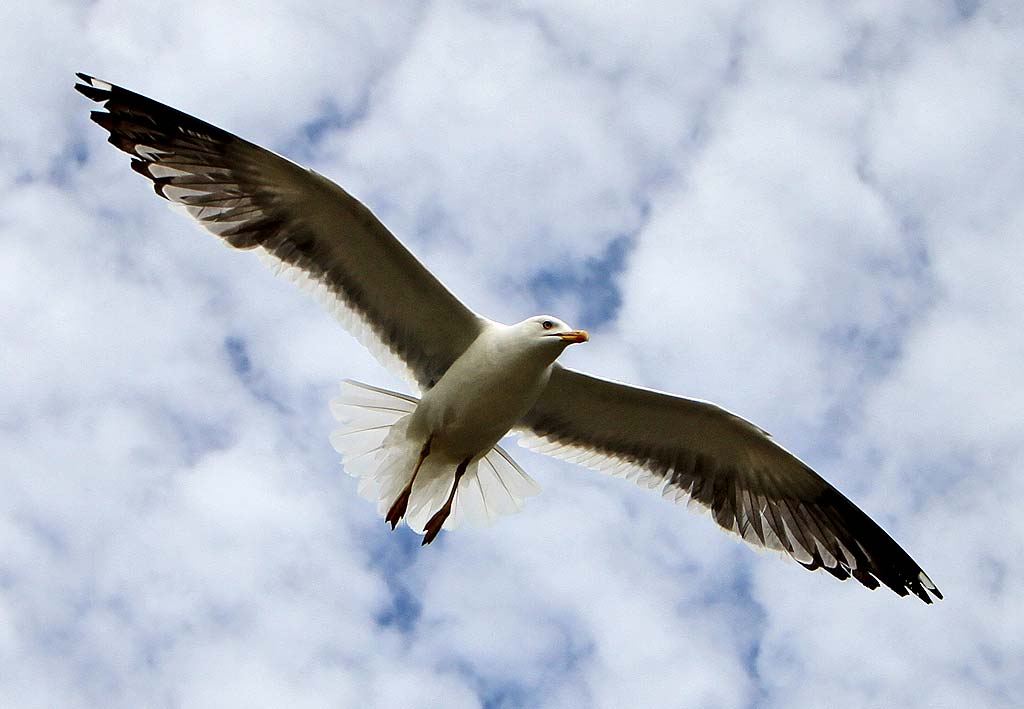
<point x="821" y="212"/>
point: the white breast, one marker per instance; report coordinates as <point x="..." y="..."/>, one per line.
<point x="483" y="394"/>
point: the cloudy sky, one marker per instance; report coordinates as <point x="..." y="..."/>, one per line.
<point x="811" y="214"/>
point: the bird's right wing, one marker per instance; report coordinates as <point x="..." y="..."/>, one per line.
<point x="695" y="451"/>
<point x="255" y="199"/>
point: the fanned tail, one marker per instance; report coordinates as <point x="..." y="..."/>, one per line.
<point x="376" y="448"/>
<point x="372" y="441"/>
<point x="496" y="487"/>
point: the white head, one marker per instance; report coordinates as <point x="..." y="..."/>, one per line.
<point x="549" y="333"/>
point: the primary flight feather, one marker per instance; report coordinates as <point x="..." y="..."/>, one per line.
<point x="435" y="461"/>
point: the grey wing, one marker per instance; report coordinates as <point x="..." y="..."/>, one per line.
<point x="255" y="199"/>
<point x="700" y="453"/>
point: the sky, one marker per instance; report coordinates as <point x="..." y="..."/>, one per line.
<point x="810" y="213"/>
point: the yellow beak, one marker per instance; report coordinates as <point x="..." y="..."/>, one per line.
<point x="575" y="336"/>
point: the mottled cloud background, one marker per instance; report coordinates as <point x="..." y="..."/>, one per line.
<point x="809" y="212"/>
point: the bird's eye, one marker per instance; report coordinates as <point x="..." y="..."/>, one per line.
<point x="547" y="324"/>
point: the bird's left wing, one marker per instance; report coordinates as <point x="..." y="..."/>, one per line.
<point x="255" y="199"/>
<point x="697" y="452"/>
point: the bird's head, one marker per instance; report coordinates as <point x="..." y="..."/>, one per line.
<point x="549" y="331"/>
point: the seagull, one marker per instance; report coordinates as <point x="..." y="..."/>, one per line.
<point x="434" y="461"/>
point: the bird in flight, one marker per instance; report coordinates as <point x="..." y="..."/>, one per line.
<point x="435" y="461"/>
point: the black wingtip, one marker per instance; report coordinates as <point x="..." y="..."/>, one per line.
<point x="93" y="88"/>
<point x="142" y="167"/>
<point x="925" y="590"/>
<point x="102" y="118"/>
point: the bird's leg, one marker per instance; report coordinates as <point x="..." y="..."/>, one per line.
<point x="401" y="503"/>
<point x="437" y="521"/>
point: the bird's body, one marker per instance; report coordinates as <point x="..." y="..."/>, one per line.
<point x="435" y="461"/>
<point x="486" y="391"/>
<point x="457" y="424"/>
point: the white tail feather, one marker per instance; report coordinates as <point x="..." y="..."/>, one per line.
<point x="375" y="448"/>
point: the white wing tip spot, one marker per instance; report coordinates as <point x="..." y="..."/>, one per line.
<point x="97" y="83"/>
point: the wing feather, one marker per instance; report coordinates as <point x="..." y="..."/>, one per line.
<point x="704" y="455"/>
<point x="254" y="199"/>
